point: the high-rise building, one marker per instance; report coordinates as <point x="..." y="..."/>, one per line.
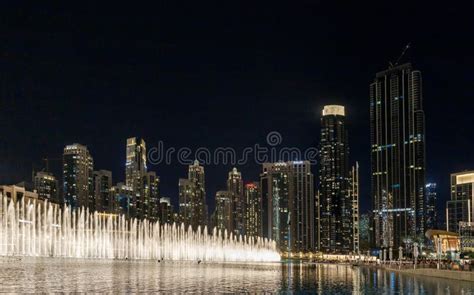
<point x="224" y="213"/>
<point x="46" y="186"/>
<point x="397" y="135"/>
<point x="187" y="204"/>
<point x="235" y="185"/>
<point x="354" y="194"/>
<point x="335" y="200"/>
<point x="460" y="208"/>
<point x="150" y="203"/>
<point x="103" y="198"/>
<point x="431" y="219"/>
<point x="135" y="171"/>
<point x="303" y="206"/>
<point x="166" y="211"/>
<point x="253" y="210"/>
<point x="197" y="177"/>
<point x="77" y="176"/>
<point x="276" y="184"/>
<point x="122" y="197"/>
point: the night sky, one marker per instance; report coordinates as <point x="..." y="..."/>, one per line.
<point x="224" y="75"/>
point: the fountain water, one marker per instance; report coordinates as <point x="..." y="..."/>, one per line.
<point x="36" y="228"/>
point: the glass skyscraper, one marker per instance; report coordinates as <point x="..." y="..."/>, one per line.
<point x="397" y="135"/>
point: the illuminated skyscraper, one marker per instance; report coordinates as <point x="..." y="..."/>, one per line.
<point x="431" y="219"/>
<point x="135" y="171"/>
<point x="150" y="205"/>
<point x="460" y="208"/>
<point x="223" y="216"/>
<point x="103" y="197"/>
<point x="253" y="210"/>
<point x="276" y="183"/>
<point x="77" y="176"/>
<point x="304" y="206"/>
<point x="235" y="185"/>
<point x="46" y="187"/>
<point x="354" y="194"/>
<point x="397" y="134"/>
<point x="166" y="211"/>
<point x="192" y="197"/>
<point x="336" y="204"/>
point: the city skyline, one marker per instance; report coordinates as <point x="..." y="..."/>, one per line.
<point x="156" y="89"/>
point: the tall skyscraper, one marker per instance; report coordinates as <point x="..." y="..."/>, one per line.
<point x="235" y="185"/>
<point x="354" y="194"/>
<point x="276" y="183"/>
<point x="197" y="177"/>
<point x="336" y="207"/>
<point x="253" y="210"/>
<point x="304" y="206"/>
<point x="103" y="198"/>
<point x="122" y="197"/>
<point x="397" y="134"/>
<point x="135" y="171"/>
<point x="187" y="203"/>
<point x="46" y="187"/>
<point x="77" y="176"/>
<point x="224" y="213"/>
<point x="166" y="211"/>
<point x="460" y="208"/>
<point x="151" y="199"/>
<point x="192" y="197"/>
<point x="431" y="219"/>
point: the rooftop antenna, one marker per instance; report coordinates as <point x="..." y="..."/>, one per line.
<point x="391" y="65"/>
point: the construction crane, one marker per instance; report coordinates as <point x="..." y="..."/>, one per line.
<point x="391" y="65"/>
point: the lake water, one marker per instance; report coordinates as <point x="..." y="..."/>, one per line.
<point x="28" y="275"/>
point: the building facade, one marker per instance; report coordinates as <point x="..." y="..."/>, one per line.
<point x="46" y="185"/>
<point x="277" y="187"/>
<point x="303" y="206"/>
<point x="103" y="198"/>
<point x="192" y="197"/>
<point x="135" y="172"/>
<point x="460" y="208"/>
<point x="235" y="185"/>
<point x="431" y="197"/>
<point x="335" y="200"/>
<point x="150" y="199"/>
<point x="77" y="176"/>
<point x="122" y="196"/>
<point x="253" y="210"/>
<point x="166" y="211"/>
<point x="397" y="134"/>
<point x="224" y="213"/>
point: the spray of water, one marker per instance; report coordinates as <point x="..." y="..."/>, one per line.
<point x="34" y="228"/>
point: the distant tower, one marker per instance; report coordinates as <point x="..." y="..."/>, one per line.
<point x="397" y="135"/>
<point x="431" y="197"/>
<point x="336" y="219"/>
<point x="460" y="208"/>
<point x="46" y="186"/>
<point x="135" y="170"/>
<point x="192" y="197"/>
<point x="103" y="198"/>
<point x="354" y="194"/>
<point x="304" y="206"/>
<point x="151" y="198"/>
<point x="235" y="185"/>
<point x="166" y="211"/>
<point x="253" y="210"/>
<point x="77" y="176"/>
<point x="277" y="189"/>
<point x="224" y="211"/>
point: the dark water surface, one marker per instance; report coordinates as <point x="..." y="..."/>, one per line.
<point x="30" y="275"/>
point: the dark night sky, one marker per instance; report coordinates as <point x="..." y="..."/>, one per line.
<point x="223" y="75"/>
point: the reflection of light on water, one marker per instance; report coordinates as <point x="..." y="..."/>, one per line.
<point x="44" y="229"/>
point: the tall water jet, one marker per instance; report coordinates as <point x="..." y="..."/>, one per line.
<point x="40" y="228"/>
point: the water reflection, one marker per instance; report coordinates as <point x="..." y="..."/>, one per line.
<point x="75" y="275"/>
